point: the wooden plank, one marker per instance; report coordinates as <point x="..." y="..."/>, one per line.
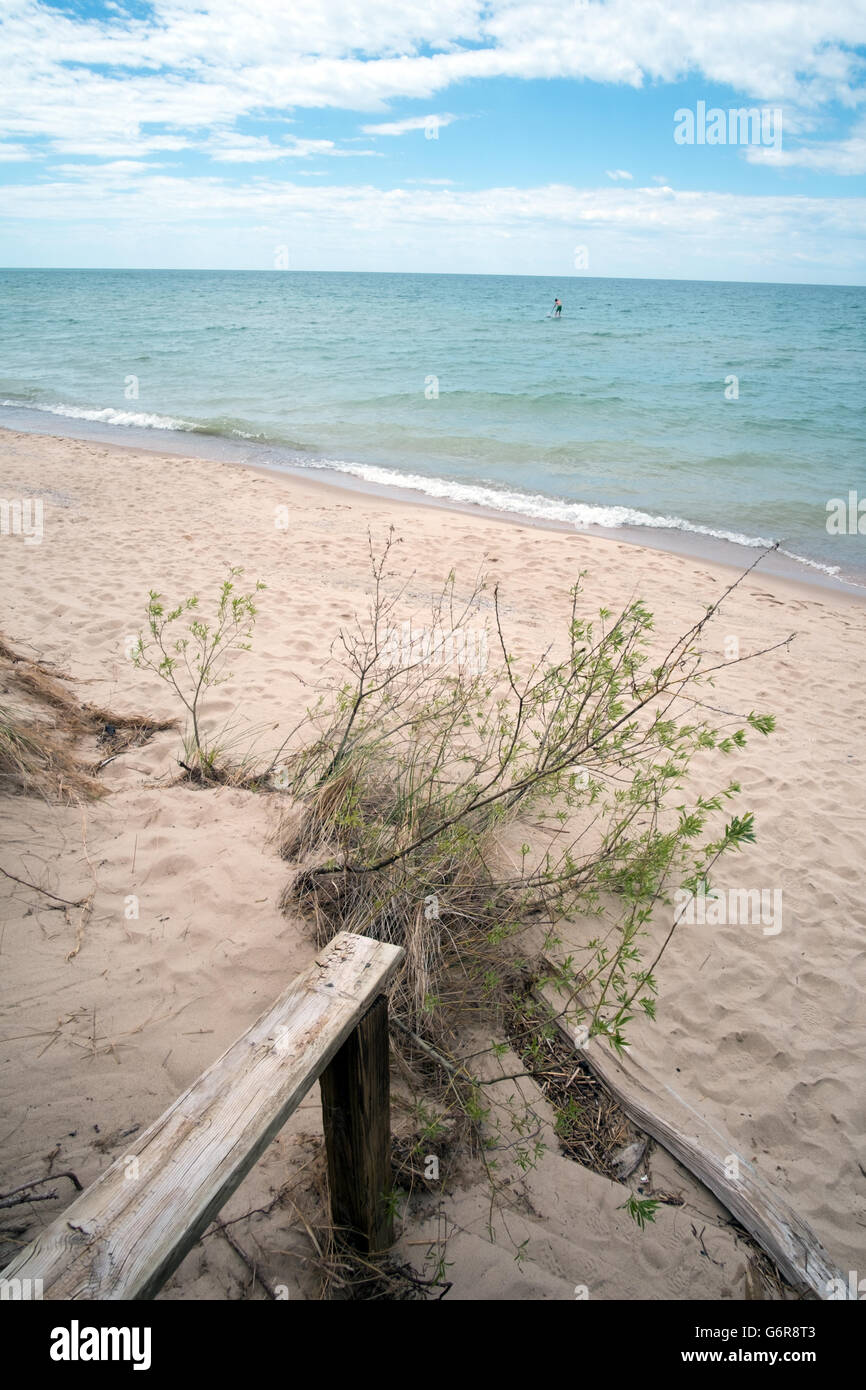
<point x="356" y="1110"/>
<point x="127" y="1234"/>
<point x="706" y="1151"/>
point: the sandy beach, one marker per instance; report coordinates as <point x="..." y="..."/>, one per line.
<point x="761" y="1034"/>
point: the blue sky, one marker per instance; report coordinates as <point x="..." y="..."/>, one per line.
<point x="252" y="133"/>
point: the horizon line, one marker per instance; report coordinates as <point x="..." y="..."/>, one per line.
<point x="469" y="274"/>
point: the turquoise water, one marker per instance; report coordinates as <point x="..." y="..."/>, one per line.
<point x="614" y="415"/>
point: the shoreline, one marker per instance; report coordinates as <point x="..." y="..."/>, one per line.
<point x="690" y="545"/>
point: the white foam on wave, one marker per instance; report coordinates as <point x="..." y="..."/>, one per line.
<point x="536" y="505"/>
<point x="533" y="505"/>
<point x="539" y="507"/>
<point x="816" y="565"/>
<point x="108" y="416"/>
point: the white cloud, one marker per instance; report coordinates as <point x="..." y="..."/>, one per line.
<point x="617" y="174"/>
<point x="411" y="123"/>
<point x="110" y="169"/>
<point x="170" y="198"/>
<point x="846" y="156"/>
<point x="15" y="154"/>
<point x="121" y="146"/>
<point x="228" y="147"/>
<point x="193" y="64"/>
<point x="163" y="218"/>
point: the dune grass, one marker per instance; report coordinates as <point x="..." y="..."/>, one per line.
<point x="43" y="726"/>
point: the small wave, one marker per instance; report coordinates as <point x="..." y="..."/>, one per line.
<point x="225" y="429"/>
<point x="815" y="564"/>
<point x="221" y="427"/>
<point x="535" y="505"/>
<point x="109" y="416"/>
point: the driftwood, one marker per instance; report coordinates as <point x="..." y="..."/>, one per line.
<point x="710" y="1155"/>
<point x="126" y="1234"/>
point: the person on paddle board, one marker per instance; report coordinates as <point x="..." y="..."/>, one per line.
<point x="557" y="308"/>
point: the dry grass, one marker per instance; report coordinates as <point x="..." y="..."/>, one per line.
<point x="591" y="1126"/>
<point x="42" y="726"/>
<point x="36" y="759"/>
<point x="444" y="929"/>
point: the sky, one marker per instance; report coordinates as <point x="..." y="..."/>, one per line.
<point x="532" y="137"/>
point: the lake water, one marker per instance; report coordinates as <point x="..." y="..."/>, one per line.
<point x="670" y="408"/>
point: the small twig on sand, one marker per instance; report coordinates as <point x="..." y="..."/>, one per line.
<point x="33" y="1197"/>
<point x="26" y="884"/>
<point x="12" y="1199"/>
<point x="247" y="1261"/>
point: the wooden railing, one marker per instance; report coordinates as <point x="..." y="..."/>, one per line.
<point x="127" y="1233"/>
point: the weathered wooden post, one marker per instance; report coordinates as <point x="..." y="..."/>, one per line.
<point x="356" y="1111"/>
